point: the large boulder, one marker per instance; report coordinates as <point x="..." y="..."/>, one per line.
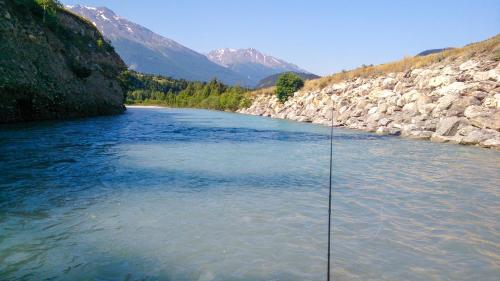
<point x="448" y="126"/>
<point x="490" y="122"/>
<point x="446" y="101"/>
<point x="460" y="104"/>
<point x="410" y="109"/>
<point x="438" y="81"/>
<point x="491" y="143"/>
<point x="474" y="111"/>
<point x="475" y="137"/>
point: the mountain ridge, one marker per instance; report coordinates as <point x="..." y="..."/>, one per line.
<point x="252" y="63"/>
<point x="146" y="51"/>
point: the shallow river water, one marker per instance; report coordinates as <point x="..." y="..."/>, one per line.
<point x="167" y="194"/>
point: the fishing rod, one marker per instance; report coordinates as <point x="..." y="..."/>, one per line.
<point x="330" y="198"/>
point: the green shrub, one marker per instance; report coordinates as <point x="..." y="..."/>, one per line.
<point x="100" y="43"/>
<point x="245" y="102"/>
<point x="287" y="84"/>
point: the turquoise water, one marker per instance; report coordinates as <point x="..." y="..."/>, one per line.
<point x="163" y="194"/>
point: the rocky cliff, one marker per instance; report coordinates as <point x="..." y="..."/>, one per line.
<point x="455" y="98"/>
<point x="54" y="64"/>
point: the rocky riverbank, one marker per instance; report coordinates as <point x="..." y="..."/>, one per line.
<point x="456" y="100"/>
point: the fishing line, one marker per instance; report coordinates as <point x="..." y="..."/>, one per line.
<point x="330" y="196"/>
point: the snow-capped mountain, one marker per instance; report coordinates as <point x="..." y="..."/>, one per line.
<point x="148" y="52"/>
<point x="251" y="63"/>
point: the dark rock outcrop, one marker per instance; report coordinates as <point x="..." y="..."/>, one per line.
<point x="54" y="66"/>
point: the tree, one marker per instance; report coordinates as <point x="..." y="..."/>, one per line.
<point x="287" y="84"/>
<point x="49" y="7"/>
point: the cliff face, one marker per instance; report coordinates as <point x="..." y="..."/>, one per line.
<point x="455" y="100"/>
<point x="54" y="66"/>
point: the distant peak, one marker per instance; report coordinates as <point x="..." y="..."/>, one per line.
<point x="230" y="56"/>
<point x="101" y="10"/>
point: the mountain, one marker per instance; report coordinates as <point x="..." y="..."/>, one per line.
<point x="251" y="63"/>
<point x="54" y="66"/>
<point x="148" y="52"/>
<point x="432" y="51"/>
<point x="271" y="80"/>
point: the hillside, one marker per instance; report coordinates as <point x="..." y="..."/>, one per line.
<point x="251" y="63"/>
<point x="452" y="96"/>
<point x="54" y="64"/>
<point x="147" y="52"/>
<point x="432" y="51"/>
<point x="271" y="80"/>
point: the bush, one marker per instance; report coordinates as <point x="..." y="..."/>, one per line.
<point x="287" y="84"/>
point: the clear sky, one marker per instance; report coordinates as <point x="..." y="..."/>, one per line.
<point x="322" y="36"/>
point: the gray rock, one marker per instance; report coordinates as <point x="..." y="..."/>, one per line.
<point x="465" y="130"/>
<point x="357" y="113"/>
<point x="304" y="119"/>
<point x="448" y="126"/>
<point x="491" y="143"/>
<point x="445" y="102"/>
<point x="484" y="119"/>
<point x="439" y="80"/>
<point x="462" y="103"/>
<point x="373" y="118"/>
<point x="441" y="139"/>
<point x="474" y="111"/>
<point x="389" y="83"/>
<point x="474" y="137"/>
<point x="422" y="100"/>
<point x="420" y="135"/>
<point x="468" y="65"/>
<point x="410" y="109"/>
<point x="382" y="107"/>
<point x="384" y="121"/>
<point x="373" y="110"/>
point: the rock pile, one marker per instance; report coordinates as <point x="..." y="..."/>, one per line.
<point x="451" y="101"/>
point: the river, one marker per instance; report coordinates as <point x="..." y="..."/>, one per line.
<point x="181" y="194"/>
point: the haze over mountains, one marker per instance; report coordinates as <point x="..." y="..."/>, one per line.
<point x="148" y="52"/>
<point x="251" y="63"/>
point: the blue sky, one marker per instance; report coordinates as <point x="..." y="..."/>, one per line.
<point x="322" y="36"/>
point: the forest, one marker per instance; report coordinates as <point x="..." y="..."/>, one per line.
<point x="159" y="90"/>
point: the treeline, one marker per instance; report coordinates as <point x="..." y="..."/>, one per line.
<point x="153" y="89"/>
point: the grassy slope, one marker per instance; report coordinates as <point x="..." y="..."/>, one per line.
<point x="489" y="47"/>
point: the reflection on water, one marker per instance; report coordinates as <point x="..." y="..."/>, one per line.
<point x="160" y="194"/>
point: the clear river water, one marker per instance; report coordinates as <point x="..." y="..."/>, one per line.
<point x="177" y="194"/>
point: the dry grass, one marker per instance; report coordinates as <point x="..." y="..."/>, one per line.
<point x="263" y="91"/>
<point x="490" y="47"/>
